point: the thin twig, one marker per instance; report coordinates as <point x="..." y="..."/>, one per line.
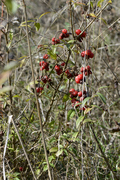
<point x="38" y="107"/>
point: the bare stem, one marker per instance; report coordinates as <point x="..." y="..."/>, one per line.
<point x="38" y="107"/>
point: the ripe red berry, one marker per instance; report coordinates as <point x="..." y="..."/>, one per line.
<point x="87" y="68"/>
<point x="88" y="53"/>
<point x="75" y="93"/>
<point x="21" y="168"/>
<point x="64" y="31"/>
<point x="39" y="89"/>
<point x="80" y="76"/>
<point x="62" y="64"/>
<point x="61" y="36"/>
<point x="53" y="39"/>
<point x="83" y="53"/>
<point x="41" y="63"/>
<point x="77" y="79"/>
<point x="76" y="104"/>
<point x="82" y="98"/>
<point x="57" y="41"/>
<point x="80" y="93"/>
<point x="57" y="67"/>
<point x="73" y="100"/>
<point x="45" y="79"/>
<point x="82" y="69"/>
<point x="83" y="34"/>
<point x="45" y="56"/>
<point x="71" y="90"/>
<point x="78" y="31"/>
<point x="59" y="72"/>
<point x="91" y="55"/>
<point x="83" y="108"/>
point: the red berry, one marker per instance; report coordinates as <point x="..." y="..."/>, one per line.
<point x="45" y="79"/>
<point x="45" y="65"/>
<point x="57" y="41"/>
<point x="71" y="90"/>
<point x="64" y="31"/>
<point x="59" y="72"/>
<point x="62" y="64"/>
<point x="76" y="104"/>
<point x="87" y="68"/>
<point x="45" y="56"/>
<point x="83" y="53"/>
<point x="77" y="79"/>
<point x="83" y="34"/>
<point x="82" y="69"/>
<point x="88" y="52"/>
<point x="83" y="108"/>
<point x="91" y="55"/>
<point x="80" y="76"/>
<point x="67" y="71"/>
<point x="53" y="39"/>
<point x="21" y="168"/>
<point x="66" y="35"/>
<point x="80" y="93"/>
<point x="39" y="89"/>
<point x="75" y="93"/>
<point x="82" y="98"/>
<point x="41" y="63"/>
<point x="57" y="67"/>
<point x="61" y="36"/>
<point x="78" y="31"/>
<point x="73" y="100"/>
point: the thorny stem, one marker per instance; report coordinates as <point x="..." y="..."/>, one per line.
<point x="38" y="107"/>
<point x="105" y="158"/>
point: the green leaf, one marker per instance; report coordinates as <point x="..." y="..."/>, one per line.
<point x="61" y="106"/>
<point x="50" y="158"/>
<point x="104" y="23"/>
<point x="91" y="4"/>
<point x="11" y="34"/>
<point x="59" y="152"/>
<point x="99" y="3"/>
<point x="54" y="149"/>
<point x="43" y="14"/>
<point x="79" y="120"/>
<point x="72" y="114"/>
<point x="11" y="6"/>
<point x="103" y="87"/>
<point x="45" y="168"/>
<point x="69" y="113"/>
<point x="87" y="120"/>
<point x="85" y="100"/>
<point x="71" y="41"/>
<point x="74" y="135"/>
<point x="65" y="97"/>
<point x="97" y="107"/>
<point x="6" y="89"/>
<point x="37" y="26"/>
<point x="52" y="55"/>
<point x="102" y="97"/>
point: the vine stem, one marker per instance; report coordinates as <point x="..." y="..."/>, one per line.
<point x="38" y="107"/>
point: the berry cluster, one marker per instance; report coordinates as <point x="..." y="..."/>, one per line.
<point x="55" y="41"/>
<point x="63" y="35"/>
<point x="88" y="54"/>
<point x="45" y="79"/>
<point x="87" y="70"/>
<point x="43" y="64"/>
<point x="39" y="89"/>
<point x="83" y="35"/>
<point x="74" y="94"/>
